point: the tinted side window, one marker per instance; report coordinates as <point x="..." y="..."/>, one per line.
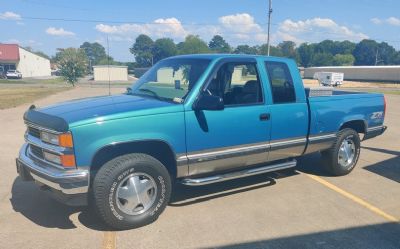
<point x="281" y="82"/>
<point x="237" y="84"/>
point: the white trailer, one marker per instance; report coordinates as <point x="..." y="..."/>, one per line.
<point x="329" y="78"/>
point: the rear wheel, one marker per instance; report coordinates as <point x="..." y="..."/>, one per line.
<point x="131" y="191"/>
<point x="343" y="156"/>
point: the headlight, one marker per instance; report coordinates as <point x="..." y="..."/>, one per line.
<point x="64" y="140"/>
<point x="67" y="161"/>
<point x="52" y="157"/>
<point x="49" y="138"/>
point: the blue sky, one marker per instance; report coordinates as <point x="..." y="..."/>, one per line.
<point x="31" y="22"/>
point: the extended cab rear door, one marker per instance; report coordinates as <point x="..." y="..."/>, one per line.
<point x="289" y="110"/>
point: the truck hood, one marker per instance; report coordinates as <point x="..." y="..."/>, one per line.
<point x="88" y="110"/>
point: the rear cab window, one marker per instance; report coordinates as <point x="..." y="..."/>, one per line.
<point x="281" y="82"/>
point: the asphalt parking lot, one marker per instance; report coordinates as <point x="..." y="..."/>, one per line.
<point x="301" y="208"/>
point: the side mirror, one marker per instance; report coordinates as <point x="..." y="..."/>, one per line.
<point x="208" y="102"/>
<point x="128" y="90"/>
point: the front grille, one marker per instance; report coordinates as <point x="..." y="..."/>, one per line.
<point x="34" y="132"/>
<point x="36" y="151"/>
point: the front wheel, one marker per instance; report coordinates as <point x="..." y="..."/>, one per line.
<point x="131" y="191"/>
<point x="343" y="156"/>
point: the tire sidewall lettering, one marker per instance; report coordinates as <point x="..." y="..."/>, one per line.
<point x="113" y="190"/>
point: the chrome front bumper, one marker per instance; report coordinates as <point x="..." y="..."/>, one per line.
<point x="69" y="182"/>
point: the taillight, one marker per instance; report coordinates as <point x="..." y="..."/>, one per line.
<point x="384" y="106"/>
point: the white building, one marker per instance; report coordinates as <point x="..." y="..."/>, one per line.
<point x="362" y="73"/>
<point x="112" y="73"/>
<point x="14" y="57"/>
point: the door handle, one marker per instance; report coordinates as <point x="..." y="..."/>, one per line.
<point x="265" y="116"/>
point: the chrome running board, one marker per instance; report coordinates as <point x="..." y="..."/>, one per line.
<point x="238" y="174"/>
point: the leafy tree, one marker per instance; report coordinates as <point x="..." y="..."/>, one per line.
<point x="385" y="54"/>
<point x="288" y="49"/>
<point x="306" y="53"/>
<point x="343" y="60"/>
<point x="42" y="54"/>
<point x="193" y="45"/>
<point x="95" y="52"/>
<point x="246" y="49"/>
<point x="163" y="48"/>
<point x="219" y="45"/>
<point x="142" y="49"/>
<point x="346" y="47"/>
<point x="322" y="59"/>
<point x="365" y="52"/>
<point x="273" y="51"/>
<point x="72" y="62"/>
<point x="108" y="61"/>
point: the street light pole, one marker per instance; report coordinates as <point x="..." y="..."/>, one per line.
<point x="269" y="24"/>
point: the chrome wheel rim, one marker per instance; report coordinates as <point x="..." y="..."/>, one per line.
<point x="347" y="152"/>
<point x="136" y="193"/>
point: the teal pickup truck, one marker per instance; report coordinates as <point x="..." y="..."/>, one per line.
<point x="194" y="120"/>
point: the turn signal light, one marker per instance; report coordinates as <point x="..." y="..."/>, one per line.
<point x="68" y="161"/>
<point x="65" y="140"/>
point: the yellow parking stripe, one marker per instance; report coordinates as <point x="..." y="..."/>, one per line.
<point x="109" y="240"/>
<point x="354" y="198"/>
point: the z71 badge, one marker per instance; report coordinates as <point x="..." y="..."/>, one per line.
<point x="377" y="115"/>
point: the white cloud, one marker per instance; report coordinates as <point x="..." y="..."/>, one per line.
<point x="376" y="20"/>
<point x="59" y="32"/>
<point x="169" y="27"/>
<point x="8" y="15"/>
<point x="240" y="23"/>
<point x="13" y="41"/>
<point x="394" y="21"/>
<point x="239" y="28"/>
<point x="316" y="29"/>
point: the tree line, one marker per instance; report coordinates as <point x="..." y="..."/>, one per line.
<point x="325" y="53"/>
<point x="76" y="62"/>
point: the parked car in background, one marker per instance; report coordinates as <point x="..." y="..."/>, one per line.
<point x="2" y="73"/>
<point x="13" y="74"/>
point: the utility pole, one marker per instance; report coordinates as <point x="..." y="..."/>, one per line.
<point x="108" y="67"/>
<point x="269" y="23"/>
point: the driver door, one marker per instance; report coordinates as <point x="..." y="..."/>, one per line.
<point x="236" y="136"/>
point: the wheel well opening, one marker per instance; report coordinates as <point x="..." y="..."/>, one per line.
<point x="357" y="125"/>
<point x="157" y="149"/>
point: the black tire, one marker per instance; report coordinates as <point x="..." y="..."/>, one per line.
<point x="331" y="158"/>
<point x="109" y="178"/>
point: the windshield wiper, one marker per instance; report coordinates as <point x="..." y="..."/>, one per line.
<point x="150" y="91"/>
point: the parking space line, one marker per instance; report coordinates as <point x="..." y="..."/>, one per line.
<point x="354" y="198"/>
<point x="109" y="240"/>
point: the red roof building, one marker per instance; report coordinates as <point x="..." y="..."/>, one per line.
<point x="9" y="52"/>
<point x="14" y="57"/>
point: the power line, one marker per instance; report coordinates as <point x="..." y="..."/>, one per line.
<point x="129" y="21"/>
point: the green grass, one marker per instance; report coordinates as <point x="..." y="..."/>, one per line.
<point x="394" y="92"/>
<point x="13" y="96"/>
<point x="57" y="80"/>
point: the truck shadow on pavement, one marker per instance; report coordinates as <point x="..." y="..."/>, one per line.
<point x="41" y="209"/>
<point x="384" y="235"/>
<point x="389" y="168"/>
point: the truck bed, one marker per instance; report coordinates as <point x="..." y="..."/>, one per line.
<point x="332" y="108"/>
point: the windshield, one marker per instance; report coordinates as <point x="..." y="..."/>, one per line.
<point x="170" y="79"/>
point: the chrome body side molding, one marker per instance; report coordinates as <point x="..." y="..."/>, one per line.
<point x="238" y="174"/>
<point x="229" y="158"/>
<point x="320" y="142"/>
<point x="374" y="131"/>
